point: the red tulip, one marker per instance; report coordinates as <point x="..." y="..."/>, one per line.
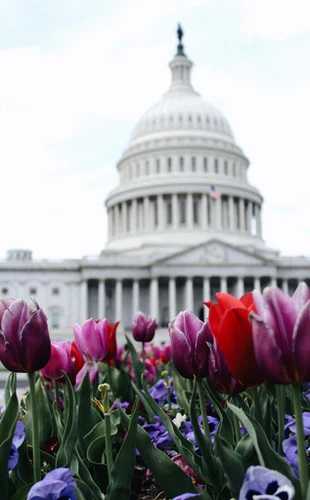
<point x="59" y="362"/>
<point x="111" y="355"/>
<point x="230" y="325"/>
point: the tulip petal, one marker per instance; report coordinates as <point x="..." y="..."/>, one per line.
<point x="235" y="341"/>
<point x="181" y="352"/>
<point x="301" y="343"/>
<point x="80" y="339"/>
<point x="301" y="295"/>
<point x="280" y="314"/>
<point x="201" y="351"/>
<point x="227" y="301"/>
<point x="13" y="320"/>
<point x="248" y="301"/>
<point x="268" y="355"/>
<point x="7" y="356"/>
<point x="35" y="342"/>
<point x="215" y="317"/>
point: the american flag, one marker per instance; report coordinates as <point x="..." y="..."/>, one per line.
<point x="214" y="193"/>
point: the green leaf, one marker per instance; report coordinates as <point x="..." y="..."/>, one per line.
<point x="21" y="493"/>
<point x="68" y="442"/>
<point x="86" y="416"/>
<point x="86" y="476"/>
<point x="10" y="387"/>
<point x="232" y="464"/>
<point x="7" y="429"/>
<point x="95" y="439"/>
<point x="44" y="413"/>
<point x="183" y="446"/>
<point x="137" y="365"/>
<point x="123" y="468"/>
<point x="167" y="474"/>
<point x="267" y="456"/>
<point x="212" y="466"/>
<point x="180" y="390"/>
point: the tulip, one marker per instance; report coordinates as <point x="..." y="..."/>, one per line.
<point x="218" y="374"/>
<point x="59" y="362"/>
<point x="230" y="324"/>
<point x="25" y="344"/>
<point x="143" y="328"/>
<point x="111" y="355"/>
<point x="281" y="333"/>
<point x="189" y="348"/>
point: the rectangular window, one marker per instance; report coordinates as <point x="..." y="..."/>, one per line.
<point x="196" y="208"/>
<point x="216" y="165"/>
<point x="182" y="208"/>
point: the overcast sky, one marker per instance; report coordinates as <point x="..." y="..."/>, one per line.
<point x="76" y="75"/>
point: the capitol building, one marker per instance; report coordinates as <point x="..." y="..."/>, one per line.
<point x="183" y="223"/>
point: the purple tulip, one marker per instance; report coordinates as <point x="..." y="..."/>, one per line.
<point x="143" y="328"/>
<point x="25" y="344"/>
<point x="57" y="484"/>
<point x="18" y="439"/>
<point x="281" y="334"/>
<point x="189" y="348"/>
<point x="260" y="482"/>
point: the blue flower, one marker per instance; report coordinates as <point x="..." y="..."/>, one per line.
<point x="158" y="434"/>
<point x="290" y="426"/>
<point x="57" y="484"/>
<point x="188" y="431"/>
<point x="162" y="391"/>
<point x="17" y="441"/>
<point x="260" y="483"/>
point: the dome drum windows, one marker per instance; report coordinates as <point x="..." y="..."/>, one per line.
<point x="169" y="164"/>
<point x="205" y="164"/>
<point x="193" y="163"/>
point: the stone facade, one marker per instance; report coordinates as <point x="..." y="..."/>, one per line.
<point x="184" y="222"/>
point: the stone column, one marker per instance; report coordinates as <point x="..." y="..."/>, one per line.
<point x="231" y="212"/>
<point x="218" y="213"/>
<point x="154" y="299"/>
<point x="119" y="217"/>
<point x="285" y="286"/>
<point x="206" y="295"/>
<point x="273" y="281"/>
<point x="133" y="225"/>
<point x="146" y="213"/>
<point x="175" y="211"/>
<point x="240" y="287"/>
<point x="257" y="284"/>
<point x="125" y="228"/>
<point x="118" y="300"/>
<point x="189" y="294"/>
<point x="223" y="285"/>
<point x="258" y="220"/>
<point x="135" y="297"/>
<point x="189" y="211"/>
<point x="83" y="301"/>
<point x="241" y="214"/>
<point x="172" y="299"/>
<point x="204" y="214"/>
<point x="161" y="212"/>
<point x="101" y="299"/>
<point x="249" y="217"/>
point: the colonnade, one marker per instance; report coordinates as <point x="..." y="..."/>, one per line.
<point x="163" y="297"/>
<point x="177" y="211"/>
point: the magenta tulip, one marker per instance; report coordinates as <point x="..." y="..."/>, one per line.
<point x="59" y="362"/>
<point x="25" y="344"/>
<point x="281" y="334"/>
<point x="92" y="338"/>
<point x="143" y="328"/>
<point x="189" y="349"/>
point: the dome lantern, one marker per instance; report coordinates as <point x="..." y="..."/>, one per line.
<point x="181" y="68"/>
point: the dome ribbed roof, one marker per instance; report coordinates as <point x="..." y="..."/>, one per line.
<point x="182" y="108"/>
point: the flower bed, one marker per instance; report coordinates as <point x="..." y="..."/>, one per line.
<point x="221" y="412"/>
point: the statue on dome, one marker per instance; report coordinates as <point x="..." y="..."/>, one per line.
<point x="180" y="46"/>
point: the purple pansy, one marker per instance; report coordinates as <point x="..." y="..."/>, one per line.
<point x="57" y="484"/>
<point x="262" y="483"/>
<point x="18" y="439"/>
<point x="188" y="431"/>
<point x="162" y="392"/>
<point x="158" y="434"/>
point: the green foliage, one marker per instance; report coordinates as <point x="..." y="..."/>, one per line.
<point x="7" y="428"/>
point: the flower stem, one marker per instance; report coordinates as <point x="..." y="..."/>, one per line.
<point x="35" y="430"/>
<point x="203" y="409"/>
<point x="302" y="459"/>
<point x="108" y="444"/>
<point x="280" y="414"/>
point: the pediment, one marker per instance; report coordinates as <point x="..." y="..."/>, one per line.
<point x="214" y="253"/>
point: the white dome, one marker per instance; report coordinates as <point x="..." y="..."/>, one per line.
<point x="182" y="108"/>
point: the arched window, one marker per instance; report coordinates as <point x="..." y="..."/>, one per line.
<point x="216" y="166"/>
<point x="169" y="164"/>
<point x="193" y="164"/>
<point x="205" y="164"/>
<point x="234" y="170"/>
<point x="158" y="166"/>
<point x="147" y="168"/>
<point x="181" y="161"/>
